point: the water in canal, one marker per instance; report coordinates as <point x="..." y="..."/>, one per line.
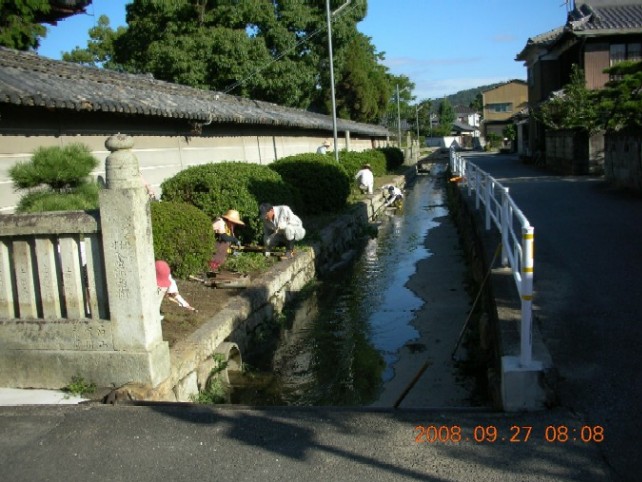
<point x="338" y="345"/>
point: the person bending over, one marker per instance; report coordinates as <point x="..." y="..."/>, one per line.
<point x="166" y="284"/>
<point x="281" y="227"/>
<point x="365" y="179"/>
<point x="392" y="194"/>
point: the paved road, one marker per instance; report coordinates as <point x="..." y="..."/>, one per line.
<point x="588" y="303"/>
<point x="171" y="442"/>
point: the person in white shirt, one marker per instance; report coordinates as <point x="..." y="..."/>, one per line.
<point x="365" y="179"/>
<point x="323" y="148"/>
<point x="281" y="227"/>
<point x="167" y="286"/>
<point x="392" y="194"/>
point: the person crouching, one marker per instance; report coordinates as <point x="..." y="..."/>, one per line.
<point x="281" y="227"/>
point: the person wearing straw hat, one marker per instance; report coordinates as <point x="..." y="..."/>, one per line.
<point x="225" y="238"/>
<point x="323" y="148"/>
<point x="365" y="179"/>
<point x="166" y="285"/>
<point x="224" y="227"/>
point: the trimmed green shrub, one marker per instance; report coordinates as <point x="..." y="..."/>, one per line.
<point x="82" y="198"/>
<point x="394" y="157"/>
<point x="57" y="180"/>
<point x="60" y="168"/>
<point x="183" y="237"/>
<point x="352" y="162"/>
<point x="215" y="188"/>
<point x="322" y="183"/>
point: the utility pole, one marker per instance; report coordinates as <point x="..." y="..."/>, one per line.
<point x="417" y="114"/>
<point x="334" y="101"/>
<point x="398" y="120"/>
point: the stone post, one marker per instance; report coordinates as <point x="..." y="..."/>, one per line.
<point x="129" y="260"/>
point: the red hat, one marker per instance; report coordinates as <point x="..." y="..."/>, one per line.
<point x="162" y="274"/>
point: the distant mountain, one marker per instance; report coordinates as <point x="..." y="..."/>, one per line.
<point x="464" y="97"/>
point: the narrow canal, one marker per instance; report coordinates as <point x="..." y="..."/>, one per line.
<point x="340" y="344"/>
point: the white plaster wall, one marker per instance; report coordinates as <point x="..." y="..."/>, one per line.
<point x="161" y="157"/>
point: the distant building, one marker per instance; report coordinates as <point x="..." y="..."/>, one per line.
<point x="501" y="104"/>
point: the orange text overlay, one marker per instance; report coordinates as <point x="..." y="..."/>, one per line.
<point x="488" y="434"/>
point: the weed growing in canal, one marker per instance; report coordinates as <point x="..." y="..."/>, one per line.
<point x="214" y="393"/>
<point x="215" y="390"/>
<point x="79" y="386"/>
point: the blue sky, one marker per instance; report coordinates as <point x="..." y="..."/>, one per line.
<point x="443" y="46"/>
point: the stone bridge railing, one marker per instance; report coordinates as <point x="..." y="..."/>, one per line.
<point x="78" y="293"/>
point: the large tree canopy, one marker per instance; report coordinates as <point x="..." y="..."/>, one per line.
<point x="272" y="50"/>
<point x="19" y="27"/>
<point x="620" y="102"/>
<point x="100" y="46"/>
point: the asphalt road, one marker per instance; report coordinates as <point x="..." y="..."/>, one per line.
<point x="172" y="442"/>
<point x="587" y="301"/>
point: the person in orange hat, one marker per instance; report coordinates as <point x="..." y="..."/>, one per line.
<point x="167" y="285"/>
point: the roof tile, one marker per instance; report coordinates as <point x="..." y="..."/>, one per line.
<point x="28" y="79"/>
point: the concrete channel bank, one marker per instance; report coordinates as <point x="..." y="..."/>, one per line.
<point x="227" y="334"/>
<point x="500" y="302"/>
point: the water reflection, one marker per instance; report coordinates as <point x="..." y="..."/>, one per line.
<point x="340" y="343"/>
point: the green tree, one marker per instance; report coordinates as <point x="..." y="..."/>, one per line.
<point x="56" y="179"/>
<point x="19" y="28"/>
<point x="364" y="89"/>
<point x="446" y="115"/>
<point x="404" y="108"/>
<point x="478" y="104"/>
<point x="273" y="50"/>
<point x="100" y="46"/>
<point x="575" y="109"/>
<point x="620" y="104"/>
<point x="423" y="113"/>
<point x="510" y="132"/>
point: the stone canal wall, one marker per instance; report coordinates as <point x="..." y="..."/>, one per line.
<point x="228" y="333"/>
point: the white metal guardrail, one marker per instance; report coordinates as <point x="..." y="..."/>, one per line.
<point x="517" y="249"/>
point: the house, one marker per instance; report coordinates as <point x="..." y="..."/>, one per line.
<point x="597" y="35"/>
<point x="61" y="9"/>
<point x="467" y="115"/>
<point x="500" y="104"/>
<point x="46" y="102"/>
<point x="466" y="126"/>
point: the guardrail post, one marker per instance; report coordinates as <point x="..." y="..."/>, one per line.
<point x="526" y="293"/>
<point x="488" y="187"/>
<point x="506" y="226"/>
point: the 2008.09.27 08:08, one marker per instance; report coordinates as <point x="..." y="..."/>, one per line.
<point x="515" y="434"/>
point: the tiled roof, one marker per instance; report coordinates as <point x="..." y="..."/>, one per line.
<point x="29" y="80"/>
<point x="542" y="40"/>
<point x="591" y="19"/>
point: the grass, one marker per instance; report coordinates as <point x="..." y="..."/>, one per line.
<point x="215" y="391"/>
<point x="247" y="263"/>
<point x="79" y="386"/>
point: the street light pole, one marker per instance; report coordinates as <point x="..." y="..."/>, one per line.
<point x="417" y="114"/>
<point x="398" y="119"/>
<point x="334" y="102"/>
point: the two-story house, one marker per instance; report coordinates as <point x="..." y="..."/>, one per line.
<point x="597" y="35"/>
<point x="501" y="104"/>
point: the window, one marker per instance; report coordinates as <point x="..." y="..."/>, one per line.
<point x="501" y="107"/>
<point x="620" y="52"/>
<point x="634" y="52"/>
